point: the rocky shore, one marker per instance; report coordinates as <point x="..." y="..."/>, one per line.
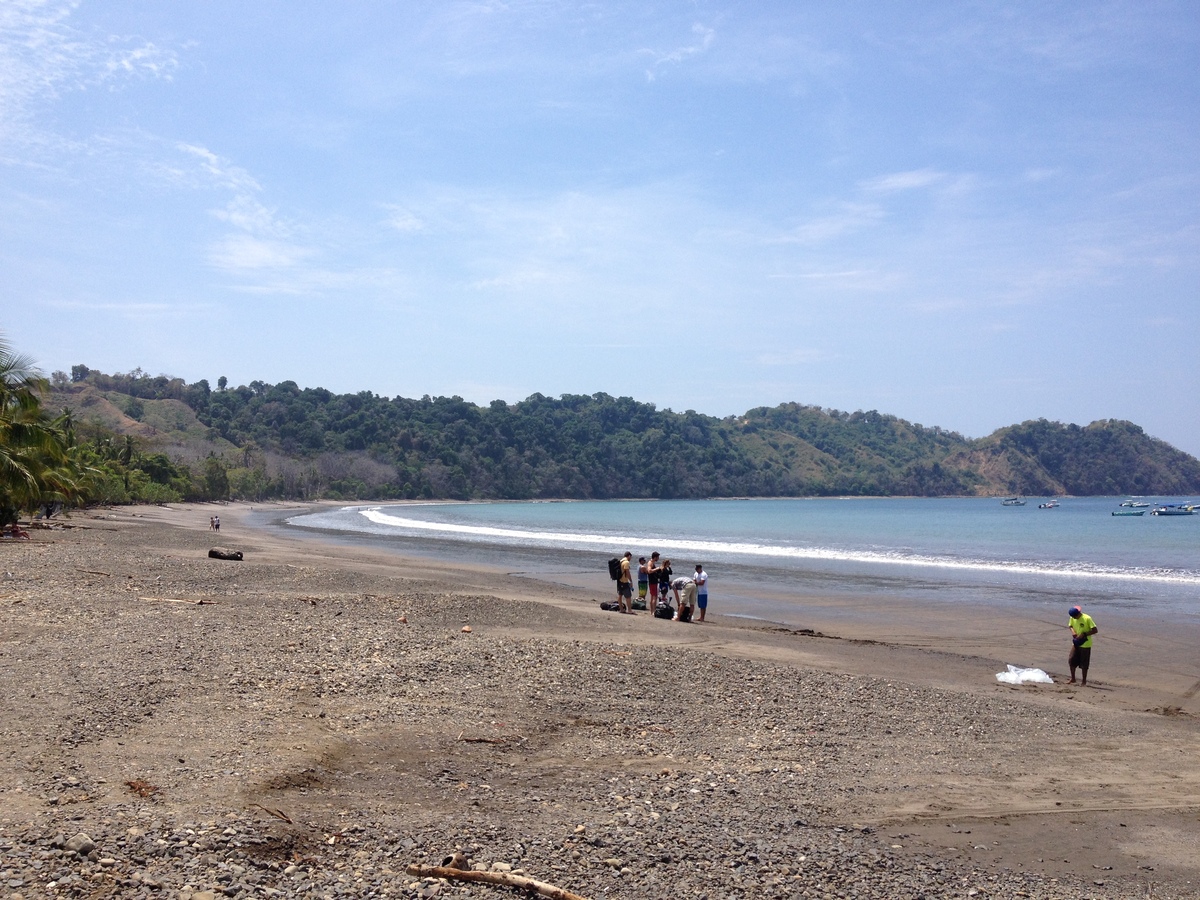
<point x="307" y="723"/>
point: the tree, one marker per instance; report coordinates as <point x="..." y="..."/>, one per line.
<point x="34" y="463"/>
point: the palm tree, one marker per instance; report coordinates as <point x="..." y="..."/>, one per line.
<point x="33" y="452"/>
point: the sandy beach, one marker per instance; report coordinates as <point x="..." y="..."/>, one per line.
<point x="314" y="719"/>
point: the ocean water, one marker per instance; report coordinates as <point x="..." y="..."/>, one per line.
<point x="761" y="553"/>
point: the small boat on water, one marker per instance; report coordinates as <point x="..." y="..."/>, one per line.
<point x="1012" y="501"/>
<point x="1174" y="509"/>
<point x="1136" y="504"/>
<point x="1129" y="512"/>
<point x="1049" y="504"/>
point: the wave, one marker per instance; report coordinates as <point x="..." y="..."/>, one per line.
<point x="723" y="549"/>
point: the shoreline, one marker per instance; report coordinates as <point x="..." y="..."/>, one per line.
<point x="1150" y="653"/>
<point x="339" y="685"/>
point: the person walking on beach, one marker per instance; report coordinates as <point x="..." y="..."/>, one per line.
<point x="643" y="581"/>
<point x="625" y="586"/>
<point x="1082" y="628"/>
<point x="211" y="524"/>
<point x="701" y="579"/>
<point x="664" y="578"/>
<point x="652" y="577"/>
<point x="217" y="523"/>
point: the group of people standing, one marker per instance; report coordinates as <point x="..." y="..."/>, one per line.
<point x="654" y="579"/>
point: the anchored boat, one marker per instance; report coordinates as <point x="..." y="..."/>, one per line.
<point x="1174" y="509"/>
<point x="1012" y="501"/>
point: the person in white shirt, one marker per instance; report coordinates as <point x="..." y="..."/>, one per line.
<point x="701" y="579"/>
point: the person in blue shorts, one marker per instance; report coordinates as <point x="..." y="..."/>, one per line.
<point x="701" y="579"/>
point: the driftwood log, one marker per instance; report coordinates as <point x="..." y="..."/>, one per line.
<point x="224" y="553"/>
<point x="506" y="878"/>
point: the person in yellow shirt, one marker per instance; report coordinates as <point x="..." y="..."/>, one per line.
<point x="1082" y="628"/>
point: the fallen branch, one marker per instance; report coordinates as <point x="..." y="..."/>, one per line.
<point x="174" y="600"/>
<point x="617" y="652"/>
<point x="505" y="878"/>
<point x="94" y="572"/>
<point x="274" y="812"/>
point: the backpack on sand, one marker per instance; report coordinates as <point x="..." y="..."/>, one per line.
<point x="664" y="610"/>
<point x="614" y="568"/>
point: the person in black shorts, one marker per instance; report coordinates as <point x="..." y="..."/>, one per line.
<point x="625" y="586"/>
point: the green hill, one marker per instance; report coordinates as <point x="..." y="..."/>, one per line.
<point x="284" y="441"/>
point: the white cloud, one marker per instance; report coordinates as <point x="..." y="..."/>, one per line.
<point x="902" y="181"/>
<point x="848" y="218"/>
<point x="42" y="57"/>
<point x="241" y="252"/>
<point x="246" y="214"/>
<point x="703" y="39"/>
<point x="221" y="171"/>
<point x="402" y="220"/>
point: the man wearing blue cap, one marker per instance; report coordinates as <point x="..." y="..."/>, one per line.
<point x="1082" y="628"/>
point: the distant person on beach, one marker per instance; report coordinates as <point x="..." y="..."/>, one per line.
<point x="625" y="586"/>
<point x="217" y="523"/>
<point x="664" y="578"/>
<point x="1082" y="628"/>
<point x="211" y="524"/>
<point x="652" y="576"/>
<point x="701" y="579"/>
<point x="685" y="598"/>
<point x="643" y="580"/>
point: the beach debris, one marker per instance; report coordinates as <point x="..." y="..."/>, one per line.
<point x="1018" y="675"/>
<point x="529" y="885"/>
<point x="480" y="740"/>
<point x="466" y="629"/>
<point x="403" y="620"/>
<point x="142" y="787"/>
<point x="225" y="553"/>
<point x="201" y="602"/>
<point x="273" y="812"/>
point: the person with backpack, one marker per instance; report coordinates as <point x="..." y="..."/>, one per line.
<point x="625" y="586"/>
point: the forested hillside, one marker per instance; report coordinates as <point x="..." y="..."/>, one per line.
<point x="281" y="441"/>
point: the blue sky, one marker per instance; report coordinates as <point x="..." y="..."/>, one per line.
<point x="964" y="214"/>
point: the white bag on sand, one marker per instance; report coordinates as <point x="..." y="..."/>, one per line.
<point x="1016" y="675"/>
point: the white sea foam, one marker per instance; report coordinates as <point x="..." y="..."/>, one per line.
<point x="723" y="549"/>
